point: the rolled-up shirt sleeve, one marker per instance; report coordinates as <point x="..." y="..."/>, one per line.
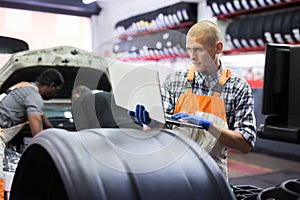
<point x="242" y="118"/>
<point x="34" y="104"/>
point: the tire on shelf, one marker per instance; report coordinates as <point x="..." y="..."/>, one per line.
<point x="232" y="34"/>
<point x="268" y="28"/>
<point x="287" y="27"/>
<point x="278" y="28"/>
<point x="296" y="25"/>
<point x="258" y="31"/>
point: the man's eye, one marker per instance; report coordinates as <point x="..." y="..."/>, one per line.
<point x="195" y="49"/>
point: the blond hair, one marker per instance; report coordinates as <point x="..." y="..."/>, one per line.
<point x="206" y="28"/>
<point x="78" y="91"/>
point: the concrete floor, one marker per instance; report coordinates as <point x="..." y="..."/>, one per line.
<point x="261" y="170"/>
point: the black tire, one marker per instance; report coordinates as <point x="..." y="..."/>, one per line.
<point x="107" y="164"/>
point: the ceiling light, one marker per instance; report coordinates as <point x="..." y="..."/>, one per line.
<point x="88" y="1"/>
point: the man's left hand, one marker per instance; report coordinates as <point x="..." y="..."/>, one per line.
<point x="193" y="119"/>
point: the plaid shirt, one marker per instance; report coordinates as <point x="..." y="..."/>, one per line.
<point x="237" y="95"/>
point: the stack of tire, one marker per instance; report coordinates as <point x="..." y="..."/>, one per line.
<point x="157" y="45"/>
<point x="289" y="189"/>
<point x="223" y="7"/>
<point x="257" y="30"/>
<point x="166" y="17"/>
<point x="157" y="34"/>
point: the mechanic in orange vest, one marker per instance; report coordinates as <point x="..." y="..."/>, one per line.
<point x="210" y="95"/>
<point x="23" y="103"/>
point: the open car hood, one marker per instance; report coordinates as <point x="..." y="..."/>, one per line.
<point x="77" y="67"/>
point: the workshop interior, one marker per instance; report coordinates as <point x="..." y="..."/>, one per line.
<point x="83" y="38"/>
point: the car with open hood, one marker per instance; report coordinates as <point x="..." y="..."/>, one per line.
<point x="77" y="66"/>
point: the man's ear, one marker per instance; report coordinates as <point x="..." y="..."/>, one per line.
<point x="219" y="46"/>
<point x="52" y="85"/>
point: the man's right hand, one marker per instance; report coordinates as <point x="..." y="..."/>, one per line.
<point x="141" y="115"/>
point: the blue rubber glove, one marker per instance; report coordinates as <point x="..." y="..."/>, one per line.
<point x="141" y="115"/>
<point x="193" y="119"/>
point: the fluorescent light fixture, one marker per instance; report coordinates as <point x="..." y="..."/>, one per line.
<point x="88" y="1"/>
